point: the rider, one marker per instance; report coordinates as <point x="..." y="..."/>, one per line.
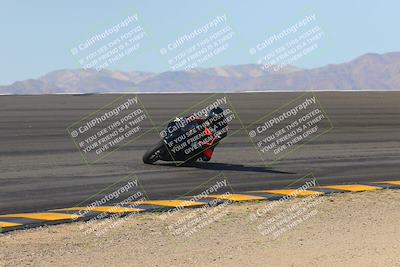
<point x="216" y="121"/>
<point x="214" y="126"/>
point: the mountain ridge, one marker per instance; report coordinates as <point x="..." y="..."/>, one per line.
<point x="370" y="71"/>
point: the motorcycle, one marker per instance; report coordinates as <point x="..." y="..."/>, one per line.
<point x="190" y="138"/>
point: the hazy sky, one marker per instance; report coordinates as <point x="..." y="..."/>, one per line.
<point x="37" y="36"/>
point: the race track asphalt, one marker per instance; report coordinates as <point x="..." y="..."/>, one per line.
<point x="40" y="167"/>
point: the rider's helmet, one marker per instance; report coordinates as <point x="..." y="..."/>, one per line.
<point x="215" y="112"/>
<point x="216" y="117"/>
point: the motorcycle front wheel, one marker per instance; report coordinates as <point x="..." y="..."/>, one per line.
<point x="154" y="154"/>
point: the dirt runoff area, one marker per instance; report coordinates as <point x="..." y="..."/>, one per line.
<point x="352" y="229"/>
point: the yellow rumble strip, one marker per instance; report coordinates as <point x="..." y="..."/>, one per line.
<point x="389" y="182"/>
<point x="42" y="216"/>
<point x="171" y="203"/>
<point x="53" y="215"/>
<point x="292" y="192"/>
<point x="107" y="209"/>
<point x="352" y="188"/>
<point x="237" y="197"/>
<point x="8" y="224"/>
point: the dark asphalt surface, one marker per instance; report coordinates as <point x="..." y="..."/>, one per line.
<point x="40" y="167"/>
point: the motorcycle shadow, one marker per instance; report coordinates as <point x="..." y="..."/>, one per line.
<point x="215" y="166"/>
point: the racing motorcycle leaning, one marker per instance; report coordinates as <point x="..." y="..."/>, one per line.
<point x="190" y="138"/>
